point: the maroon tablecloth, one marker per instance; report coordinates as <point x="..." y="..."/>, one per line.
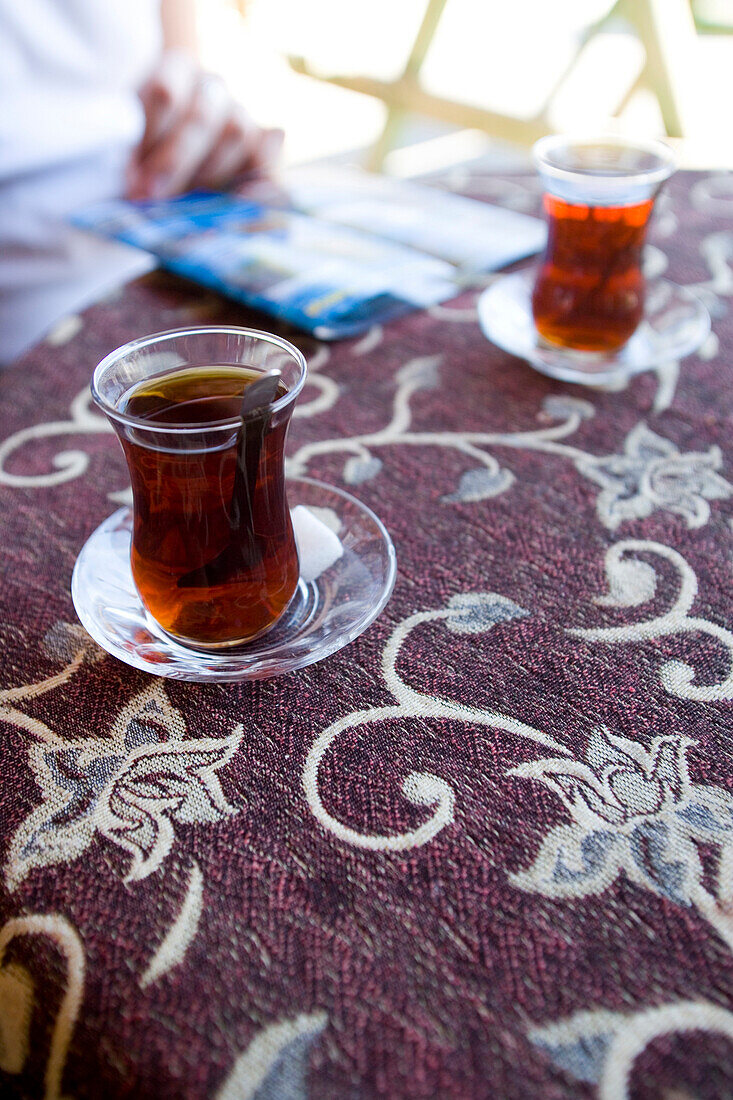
<point x="484" y="851"/>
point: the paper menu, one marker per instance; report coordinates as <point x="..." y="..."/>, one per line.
<point x="332" y="252"/>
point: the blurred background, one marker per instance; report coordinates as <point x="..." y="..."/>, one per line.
<point x="410" y="86"/>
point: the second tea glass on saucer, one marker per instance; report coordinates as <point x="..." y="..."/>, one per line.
<point x="585" y="312"/>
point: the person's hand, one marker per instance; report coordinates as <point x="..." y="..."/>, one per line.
<point x="195" y="135"/>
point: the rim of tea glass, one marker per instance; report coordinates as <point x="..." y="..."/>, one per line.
<point x="196" y="330"/>
<point x="542" y="150"/>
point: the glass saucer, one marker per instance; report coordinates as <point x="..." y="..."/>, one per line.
<point x="675" y="323"/>
<point x="327" y="612"/>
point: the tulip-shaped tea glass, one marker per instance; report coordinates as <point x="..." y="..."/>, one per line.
<point x="213" y="554"/>
<point x="598" y="197"/>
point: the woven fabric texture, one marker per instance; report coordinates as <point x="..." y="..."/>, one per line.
<point x="484" y="851"/>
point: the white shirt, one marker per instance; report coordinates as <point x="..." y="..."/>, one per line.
<point x="69" y="118"/>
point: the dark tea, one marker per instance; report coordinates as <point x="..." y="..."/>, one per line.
<point x="589" y="292"/>
<point x="213" y="552"/>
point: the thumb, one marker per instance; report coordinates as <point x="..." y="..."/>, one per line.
<point x="269" y="148"/>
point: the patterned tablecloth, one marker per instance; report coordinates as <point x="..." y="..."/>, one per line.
<point x="484" y="851"/>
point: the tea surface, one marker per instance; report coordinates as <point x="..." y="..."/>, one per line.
<point x="191" y="396"/>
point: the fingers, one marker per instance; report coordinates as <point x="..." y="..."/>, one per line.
<point x="269" y="149"/>
<point x="171" y="161"/>
<point x="243" y="149"/>
<point x="165" y="97"/>
<point x="195" y="135"/>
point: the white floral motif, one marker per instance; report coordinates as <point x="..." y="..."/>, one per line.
<point x="632" y="583"/>
<point x="483" y="481"/>
<point x="275" y="1064"/>
<point x="601" y="1047"/>
<point x="653" y="475"/>
<point x="172" y="949"/>
<point x="466" y="613"/>
<point x="633" y="812"/>
<point x="130" y="788"/>
<point x="17" y="1003"/>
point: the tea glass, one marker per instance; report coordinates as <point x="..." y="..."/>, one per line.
<point x="599" y="194"/>
<point x="213" y="553"/>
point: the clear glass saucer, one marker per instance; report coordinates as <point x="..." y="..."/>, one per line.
<point x="675" y="323"/>
<point x="329" y="609"/>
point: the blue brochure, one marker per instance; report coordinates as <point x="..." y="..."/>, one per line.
<point x="333" y="254"/>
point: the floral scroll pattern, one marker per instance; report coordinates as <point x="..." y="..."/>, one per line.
<point x="652" y="475"/>
<point x="17" y="997"/>
<point x="600" y="1047"/>
<point x="630" y="808"/>
<point x="274" y="1066"/>
<point x="632" y="582"/>
<point x="131" y="788"/>
<point x="633" y="812"/>
<point x="467" y="613"/>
